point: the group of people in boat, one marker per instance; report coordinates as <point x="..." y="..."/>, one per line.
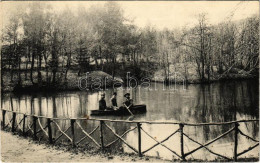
<point x="103" y="106"/>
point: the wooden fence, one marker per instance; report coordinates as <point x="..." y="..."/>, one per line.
<point x="47" y="131"/>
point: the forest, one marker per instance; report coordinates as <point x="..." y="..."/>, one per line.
<point x="41" y="47"/>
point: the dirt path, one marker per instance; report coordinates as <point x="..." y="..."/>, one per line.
<point x="15" y="148"/>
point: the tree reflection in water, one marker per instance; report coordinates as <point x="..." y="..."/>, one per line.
<point x="217" y="102"/>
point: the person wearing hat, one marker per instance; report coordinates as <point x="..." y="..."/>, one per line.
<point x="128" y="102"/>
<point x="102" y="102"/>
<point x="114" y="101"/>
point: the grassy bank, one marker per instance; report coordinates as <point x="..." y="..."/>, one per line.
<point x="92" y="80"/>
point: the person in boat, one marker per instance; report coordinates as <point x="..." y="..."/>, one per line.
<point x="102" y="102"/>
<point x="114" y="101"/>
<point x="128" y="102"/>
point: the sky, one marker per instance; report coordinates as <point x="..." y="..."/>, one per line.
<point x="177" y="14"/>
<point x="160" y="14"/>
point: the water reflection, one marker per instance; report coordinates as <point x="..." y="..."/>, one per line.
<point x="218" y="102"/>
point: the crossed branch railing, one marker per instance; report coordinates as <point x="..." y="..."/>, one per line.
<point x="14" y="123"/>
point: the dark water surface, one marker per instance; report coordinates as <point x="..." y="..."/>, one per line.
<point x="217" y="102"/>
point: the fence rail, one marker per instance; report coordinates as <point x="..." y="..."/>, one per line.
<point x="15" y="124"/>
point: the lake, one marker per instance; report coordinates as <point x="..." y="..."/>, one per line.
<point x="216" y="102"/>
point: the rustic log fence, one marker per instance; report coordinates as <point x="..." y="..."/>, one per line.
<point x="15" y="124"/>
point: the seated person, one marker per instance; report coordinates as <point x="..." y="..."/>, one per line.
<point x="114" y="101"/>
<point x="102" y="102"/>
<point x="128" y="102"/>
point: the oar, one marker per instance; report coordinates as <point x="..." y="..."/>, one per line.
<point x="129" y="109"/>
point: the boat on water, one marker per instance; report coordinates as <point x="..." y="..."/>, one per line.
<point x="136" y="109"/>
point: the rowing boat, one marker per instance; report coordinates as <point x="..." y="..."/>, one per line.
<point x="136" y="109"/>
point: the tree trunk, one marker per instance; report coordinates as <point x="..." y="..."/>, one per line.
<point x="101" y="59"/>
<point x="53" y="77"/>
<point x="39" y="69"/>
<point x="19" y="72"/>
<point x="32" y="65"/>
<point x="68" y="65"/>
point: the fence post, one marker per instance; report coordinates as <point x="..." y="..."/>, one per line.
<point x="72" y="121"/>
<point x="3" y="123"/>
<point x="236" y="141"/>
<point x="13" y="122"/>
<point x="181" y="141"/>
<point x="49" y="130"/>
<point x="24" y="117"/>
<point x="101" y="135"/>
<point x="34" y="128"/>
<point x="139" y="140"/>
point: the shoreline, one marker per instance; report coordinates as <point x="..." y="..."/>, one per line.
<point x="54" y="89"/>
<point x="15" y="148"/>
<point x="42" y="80"/>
